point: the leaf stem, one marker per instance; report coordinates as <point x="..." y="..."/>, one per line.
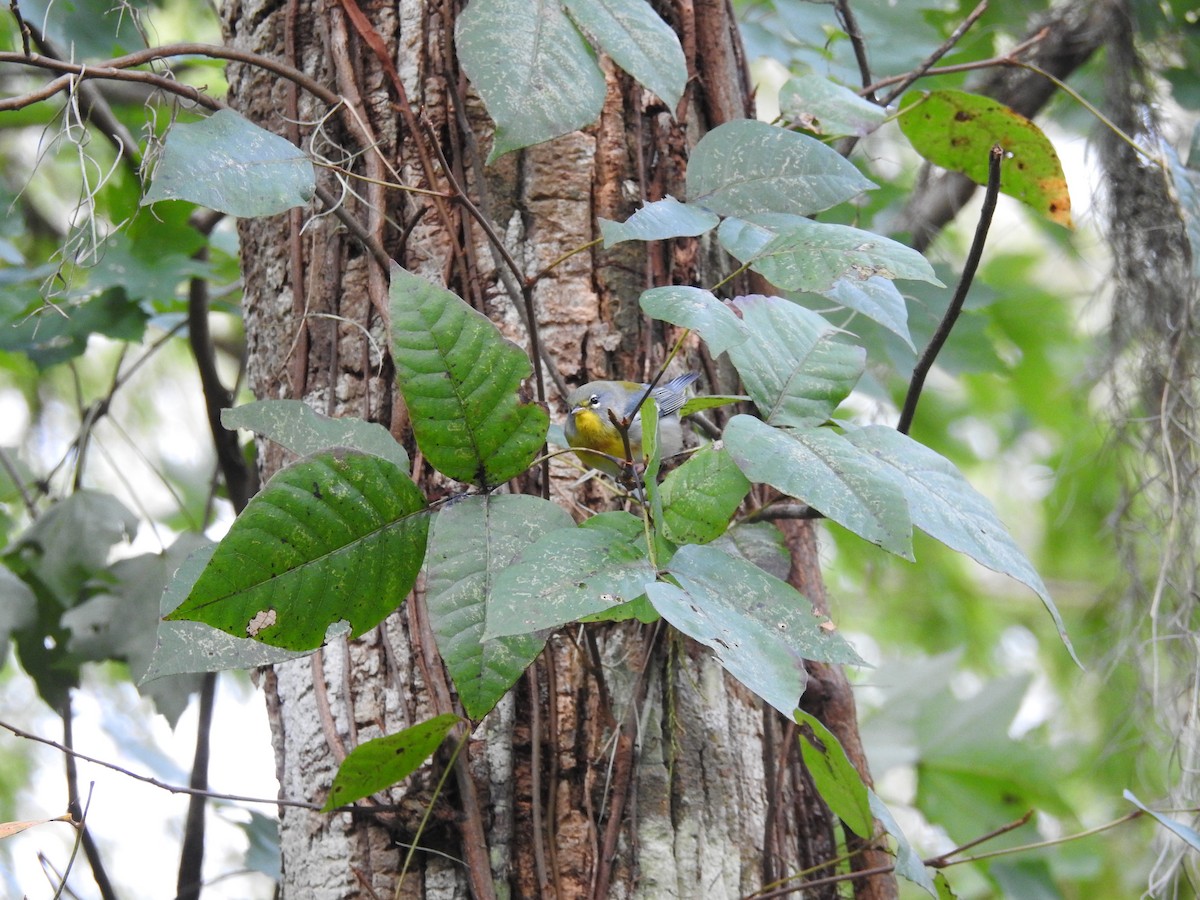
<point x="412" y="847"/>
<point x="925" y="363"/>
<point x="1082" y="101"/>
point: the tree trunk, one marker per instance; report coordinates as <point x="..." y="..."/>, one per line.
<point x="625" y="763"/>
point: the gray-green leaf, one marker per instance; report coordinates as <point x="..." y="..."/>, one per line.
<point x="229" y="164"/>
<point x="761" y="629"/>
<point x="747" y="167"/>
<point x="184" y="647"/>
<point x="567" y="574"/>
<point x="794" y="365"/>
<point x="830" y="474"/>
<point x="293" y="424"/>
<point x="658" y="221"/>
<point x="697" y="309"/>
<point x="798" y="254"/>
<point x="876" y="298"/>
<point x="535" y="72"/>
<point x="638" y="40"/>
<point x="943" y="504"/>
<point x="471" y="542"/>
<point x="824" y="107"/>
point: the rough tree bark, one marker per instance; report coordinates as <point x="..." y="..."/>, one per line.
<point x="626" y="763"/>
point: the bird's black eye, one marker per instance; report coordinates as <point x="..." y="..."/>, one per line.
<point x="594" y="400"/>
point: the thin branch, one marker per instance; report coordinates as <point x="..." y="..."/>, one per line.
<point x="1105" y="120"/>
<point x="1008" y="59"/>
<point x="947" y="45"/>
<point x="146" y="779"/>
<point x="925" y="363"/>
<point x="238" y="475"/>
<point x="189" y="881"/>
<point x="15" y="476"/>
<point x="535" y="772"/>
<point x="355" y="227"/>
<point x="79" y="831"/>
<point x="64" y="82"/>
<point x="1040" y="845"/>
<point x="822" y="882"/>
<point x="97" y="110"/>
<point x="943" y="860"/>
<point x="90" y="850"/>
<point x="15" y="8"/>
<point x="168" y="51"/>
<point x="850" y="24"/>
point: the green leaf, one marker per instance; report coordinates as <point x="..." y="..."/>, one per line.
<point x="183" y="647"/>
<point x="18" y="605"/>
<point x="471" y="542"/>
<point x="909" y="864"/>
<point x="121" y="623"/>
<point x="747" y="167"/>
<point x="761" y="629"/>
<point x="697" y="309"/>
<point x="338" y="537"/>
<point x="945" y="506"/>
<point x="534" y="71"/>
<point x="152" y="257"/>
<point x="229" y="164"/>
<point x="50" y="335"/>
<point x="638" y="40"/>
<point x="829" y="473"/>
<point x="293" y="424"/>
<point x="641" y="609"/>
<point x="798" y="254"/>
<point x="71" y="542"/>
<point x="1181" y="831"/>
<point x="821" y="106"/>
<point x="701" y="496"/>
<point x="378" y="764"/>
<point x="567" y="574"/>
<point x="876" y="298"/>
<point x="459" y="377"/>
<point x="957" y="130"/>
<point x="92" y="29"/>
<point x="710" y="401"/>
<point x="836" y="779"/>
<point x="658" y="221"/>
<point x="794" y="365"/>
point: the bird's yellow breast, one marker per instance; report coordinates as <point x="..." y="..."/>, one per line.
<point x="594" y="433"/>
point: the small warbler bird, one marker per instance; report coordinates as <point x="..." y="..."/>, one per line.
<point x="589" y="426"/>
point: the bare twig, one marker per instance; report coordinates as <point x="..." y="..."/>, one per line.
<point x="170" y="788"/>
<point x="850" y="25"/>
<point x="925" y="363"/>
<point x="15" y="8"/>
<point x="90" y="850"/>
<point x="80" y="825"/>
<point x="929" y="61"/>
<point x="1011" y="58"/>
<point x="107" y="68"/>
<point x="189" y="880"/>
<point x="943" y="860"/>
